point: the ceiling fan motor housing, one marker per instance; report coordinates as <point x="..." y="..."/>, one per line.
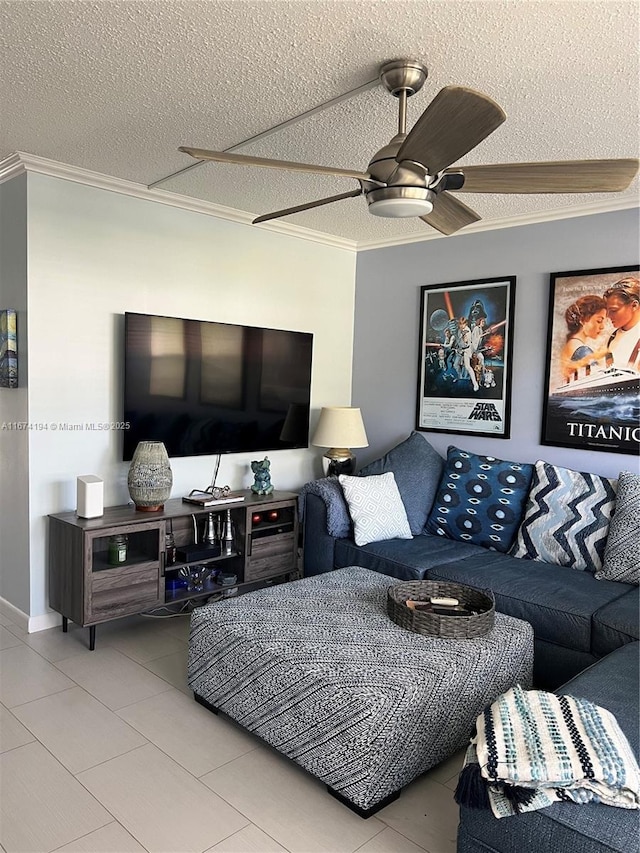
<point x="383" y="163"/>
<point x="403" y="78"/>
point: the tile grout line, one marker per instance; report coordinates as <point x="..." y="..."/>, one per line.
<point x="87" y="834"/>
<point x="169" y="687"/>
<point x="74" y="777"/>
<point x="150" y="742"/>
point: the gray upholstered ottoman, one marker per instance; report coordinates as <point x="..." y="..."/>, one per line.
<point x="317" y="669"/>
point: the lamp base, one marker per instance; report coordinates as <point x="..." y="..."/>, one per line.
<point x="338" y="461"/>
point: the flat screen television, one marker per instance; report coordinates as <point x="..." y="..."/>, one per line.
<point x="204" y="388"/>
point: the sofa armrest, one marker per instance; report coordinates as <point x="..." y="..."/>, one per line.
<point x="318" y="544"/>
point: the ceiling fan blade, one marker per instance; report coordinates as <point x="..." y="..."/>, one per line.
<point x="455" y="121"/>
<point x="278" y="213"/>
<point x="449" y="214"/>
<point x="568" y="176"/>
<point x="243" y="160"/>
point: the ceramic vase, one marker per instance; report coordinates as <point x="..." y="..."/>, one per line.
<point x="150" y="477"/>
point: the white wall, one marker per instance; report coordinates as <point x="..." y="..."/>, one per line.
<point x="14" y="444"/>
<point x="387" y="321"/>
<point x="95" y="254"/>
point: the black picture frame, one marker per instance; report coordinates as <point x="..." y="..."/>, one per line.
<point x="591" y="391"/>
<point x="465" y="357"/>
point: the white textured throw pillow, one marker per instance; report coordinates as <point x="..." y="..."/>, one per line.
<point x="375" y="507"/>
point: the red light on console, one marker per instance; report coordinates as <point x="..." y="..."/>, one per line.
<point x="273" y="515"/>
<point x="256" y="518"/>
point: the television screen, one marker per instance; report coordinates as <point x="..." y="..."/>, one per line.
<point x="203" y="388"/>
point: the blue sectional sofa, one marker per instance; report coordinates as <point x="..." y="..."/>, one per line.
<point x="586" y="627"/>
<point x="577" y="619"/>
<point x="565" y="827"/>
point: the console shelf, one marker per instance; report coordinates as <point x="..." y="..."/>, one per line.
<point x="87" y="588"/>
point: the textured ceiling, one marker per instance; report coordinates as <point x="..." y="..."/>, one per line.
<point x="116" y="87"/>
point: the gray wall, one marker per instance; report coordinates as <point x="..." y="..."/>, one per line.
<point x="14" y="444"/>
<point x="387" y="311"/>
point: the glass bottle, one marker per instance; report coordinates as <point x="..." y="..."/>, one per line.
<point x="228" y="535"/>
<point x="117" y="553"/>
<point x="169" y="549"/>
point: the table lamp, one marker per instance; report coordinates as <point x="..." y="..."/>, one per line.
<point x="339" y="429"/>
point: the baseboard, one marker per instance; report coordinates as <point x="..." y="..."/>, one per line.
<point x="30" y="624"/>
<point x="42" y="623"/>
<point x="12" y="612"/>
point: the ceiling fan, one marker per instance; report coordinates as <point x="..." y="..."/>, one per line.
<point x="411" y="176"/>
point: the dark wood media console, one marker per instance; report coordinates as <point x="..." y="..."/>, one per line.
<point x="86" y="588"/>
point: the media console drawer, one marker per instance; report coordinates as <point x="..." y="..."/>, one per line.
<point x="270" y="556"/>
<point x="124" y="576"/>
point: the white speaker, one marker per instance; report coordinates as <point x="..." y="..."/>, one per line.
<point x="89" y="496"/>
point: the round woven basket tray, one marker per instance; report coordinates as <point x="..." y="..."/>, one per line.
<point x="480" y="601"/>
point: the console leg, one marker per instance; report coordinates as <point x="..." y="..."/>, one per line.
<point x="92" y="637"/>
<point x="65" y="624"/>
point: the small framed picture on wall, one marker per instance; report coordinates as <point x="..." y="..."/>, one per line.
<point x="464" y="366"/>
<point x="592" y="380"/>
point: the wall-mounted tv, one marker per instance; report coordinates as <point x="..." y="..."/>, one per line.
<point x="203" y="387"/>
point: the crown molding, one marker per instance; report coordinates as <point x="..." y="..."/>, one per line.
<point x="20" y="163"/>
<point x="572" y="212"/>
<point x="11" y="167"/>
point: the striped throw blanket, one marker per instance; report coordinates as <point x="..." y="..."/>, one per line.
<point x="532" y="749"/>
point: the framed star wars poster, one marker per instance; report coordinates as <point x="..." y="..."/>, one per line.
<point x="465" y="357"/>
<point x="592" y="381"/>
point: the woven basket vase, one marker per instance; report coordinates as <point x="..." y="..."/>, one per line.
<point x="432" y="624"/>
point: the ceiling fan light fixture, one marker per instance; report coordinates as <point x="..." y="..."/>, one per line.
<point x="400" y="202"/>
<point x="400" y="208"/>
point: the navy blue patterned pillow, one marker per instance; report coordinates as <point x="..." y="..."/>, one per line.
<point x="480" y="499"/>
<point x="417" y="468"/>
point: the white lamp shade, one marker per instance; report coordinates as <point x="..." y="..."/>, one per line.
<point x="340" y="426"/>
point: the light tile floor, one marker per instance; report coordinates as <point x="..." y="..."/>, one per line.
<point x="106" y="752"/>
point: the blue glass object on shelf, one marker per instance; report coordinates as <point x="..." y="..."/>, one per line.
<point x="195" y="577"/>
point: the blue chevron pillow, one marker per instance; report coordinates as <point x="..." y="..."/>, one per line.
<point x="566" y="519"/>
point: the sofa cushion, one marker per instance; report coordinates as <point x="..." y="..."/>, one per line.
<point x="613" y="683"/>
<point x="616" y="623"/>
<point x="417" y="468"/>
<point x="566" y="518"/>
<point x="559" y="603"/>
<point x="405" y="559"/>
<point x="622" y="552"/>
<point x="375" y="507"/>
<point x="480" y="499"/>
